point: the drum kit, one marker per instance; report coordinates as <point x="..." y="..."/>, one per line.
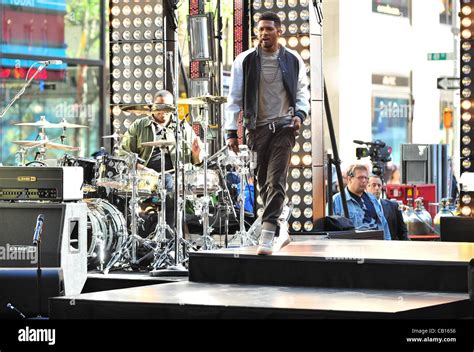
<point x="113" y="238"/>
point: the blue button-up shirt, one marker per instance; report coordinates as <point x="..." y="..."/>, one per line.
<point x="356" y="213"/>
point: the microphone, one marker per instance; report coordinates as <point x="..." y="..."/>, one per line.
<point x="10" y="306"/>
<point x="38" y="229"/>
<point x="51" y="62"/>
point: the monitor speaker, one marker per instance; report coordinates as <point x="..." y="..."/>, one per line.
<point x="63" y="240"/>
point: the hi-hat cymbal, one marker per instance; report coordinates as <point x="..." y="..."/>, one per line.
<point x="57" y="146"/>
<point x="202" y="100"/>
<point x="146" y="109"/>
<point x="115" y="136"/>
<point x="159" y="144"/>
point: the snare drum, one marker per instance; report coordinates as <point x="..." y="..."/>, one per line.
<point x="147" y="183"/>
<point x="112" y="172"/>
<point x="195" y="182"/>
<point x="106" y="231"/>
<point x="89" y="167"/>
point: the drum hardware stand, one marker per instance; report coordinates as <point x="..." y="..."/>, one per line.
<point x="208" y="241"/>
<point x="246" y="238"/>
<point x="179" y="204"/>
<point x="131" y="244"/>
<point x="227" y="203"/>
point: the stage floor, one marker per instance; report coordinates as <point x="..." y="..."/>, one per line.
<point x="201" y="300"/>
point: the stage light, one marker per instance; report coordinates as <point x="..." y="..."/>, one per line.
<point x="257" y="4"/>
<point x="138" y="98"/>
<point x="306" y="133"/>
<point x="466" y="10"/>
<point x="304" y="15"/>
<point x="116" y="98"/>
<point x="116" y="86"/>
<point x="148" y="9"/>
<point x="127" y="73"/>
<point x="116" y="111"/>
<point x="466" y="164"/>
<point x="466" y="128"/>
<point x="466" y="93"/>
<point x="308" y="212"/>
<point x="295" y="160"/>
<point x="466" y="104"/>
<point x="127" y="86"/>
<point x="466" y="211"/>
<point x="293" y="28"/>
<point x="308" y="200"/>
<point x="466" y="69"/>
<point x="137" y="85"/>
<point x="466" y="81"/>
<point x="281" y="40"/>
<point x="296" y="225"/>
<point x="127" y="123"/>
<point x="256" y="16"/>
<point x="296" y="212"/>
<point x="305" y="54"/>
<point x="466" y="199"/>
<point x="116" y="73"/>
<point x="466" y="152"/>
<point x="295" y="173"/>
<point x="148" y="73"/>
<point x="466" y="22"/>
<point x="296" y="199"/>
<point x="466" y="58"/>
<point x="127" y="22"/>
<point x="117" y="124"/>
<point x="293" y="15"/>
<point x="280" y="4"/>
<point x="308" y="186"/>
<point x="292" y="3"/>
<point x="149" y="98"/>
<point x="280" y="14"/>
<point x="127" y="98"/>
<point x="293" y="42"/>
<point x="308" y="226"/>
<point x="296" y="148"/>
<point x="307" y="160"/>
<point x="268" y="4"/>
<point x="466" y="34"/>
<point x="137" y="10"/>
<point x="295" y="186"/>
<point x="201" y="39"/>
<point x="307" y="173"/>
<point x="304" y="28"/>
<point x="158" y="9"/>
<point x="305" y="41"/>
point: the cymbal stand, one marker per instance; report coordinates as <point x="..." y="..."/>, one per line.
<point x="246" y="239"/>
<point x="227" y="205"/>
<point x="208" y="241"/>
<point x="128" y="250"/>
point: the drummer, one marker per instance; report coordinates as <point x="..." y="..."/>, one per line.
<point x="155" y="127"/>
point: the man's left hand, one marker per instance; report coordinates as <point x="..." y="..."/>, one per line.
<point x="296" y="124"/>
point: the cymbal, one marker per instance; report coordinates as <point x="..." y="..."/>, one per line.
<point x="57" y="146"/>
<point x="115" y="135"/>
<point x="202" y="100"/>
<point x="159" y="144"/>
<point x="43" y="123"/>
<point x="146" y="109"/>
<point x="65" y="124"/>
<point x="30" y="144"/>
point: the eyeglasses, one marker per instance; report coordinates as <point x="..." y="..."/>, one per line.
<point x="361" y="178"/>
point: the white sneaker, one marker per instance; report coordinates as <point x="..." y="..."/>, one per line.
<point x="283" y="239"/>
<point x="265" y="247"/>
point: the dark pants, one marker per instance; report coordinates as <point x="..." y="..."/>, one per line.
<point x="273" y="153"/>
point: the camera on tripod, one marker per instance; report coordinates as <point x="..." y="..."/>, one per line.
<point x="378" y="152"/>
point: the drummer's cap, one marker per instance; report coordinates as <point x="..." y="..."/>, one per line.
<point x="166" y="95"/>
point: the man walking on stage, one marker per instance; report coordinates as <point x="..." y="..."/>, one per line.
<point x="269" y="85"/>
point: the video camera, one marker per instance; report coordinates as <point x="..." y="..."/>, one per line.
<point x="379" y="154"/>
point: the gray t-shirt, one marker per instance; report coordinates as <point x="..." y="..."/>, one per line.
<point x="273" y="101"/>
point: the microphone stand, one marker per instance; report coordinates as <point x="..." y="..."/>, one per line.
<point x="38" y="275"/>
<point x="22" y="90"/>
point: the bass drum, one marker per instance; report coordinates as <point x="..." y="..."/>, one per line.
<point x="106" y="232"/>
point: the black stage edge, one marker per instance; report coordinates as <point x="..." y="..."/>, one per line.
<point x="355" y="264"/>
<point x="189" y="300"/>
<point x="97" y="281"/>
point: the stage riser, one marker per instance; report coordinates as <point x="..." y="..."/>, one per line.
<point x="62" y="309"/>
<point x="387" y="275"/>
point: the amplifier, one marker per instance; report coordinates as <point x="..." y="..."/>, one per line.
<point x="41" y="183"/>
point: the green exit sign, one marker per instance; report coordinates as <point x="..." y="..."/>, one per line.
<point x="440" y="56"/>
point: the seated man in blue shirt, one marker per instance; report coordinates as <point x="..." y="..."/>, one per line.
<point x="364" y="210"/>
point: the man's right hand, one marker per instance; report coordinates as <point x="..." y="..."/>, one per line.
<point x="233" y="144"/>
